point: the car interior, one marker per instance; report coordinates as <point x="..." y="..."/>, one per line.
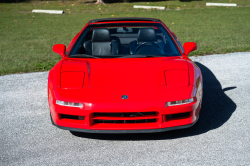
<point x="115" y="41"/>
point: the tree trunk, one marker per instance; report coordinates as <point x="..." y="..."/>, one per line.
<point x="99" y="2"/>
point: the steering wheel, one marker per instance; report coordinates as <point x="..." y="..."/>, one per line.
<point x="147" y="43"/>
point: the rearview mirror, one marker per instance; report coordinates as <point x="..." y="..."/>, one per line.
<point x="60" y="49"/>
<point x="189" y="47"/>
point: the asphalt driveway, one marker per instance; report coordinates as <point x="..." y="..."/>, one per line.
<point x="221" y="137"/>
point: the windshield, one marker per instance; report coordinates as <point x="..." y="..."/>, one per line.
<point x="124" y="40"/>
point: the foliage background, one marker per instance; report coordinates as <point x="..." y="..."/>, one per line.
<point x="28" y="38"/>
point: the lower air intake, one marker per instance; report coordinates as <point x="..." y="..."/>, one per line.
<point x="126" y="121"/>
<point x="63" y="116"/>
<point x="127" y="114"/>
<point x="178" y="116"/>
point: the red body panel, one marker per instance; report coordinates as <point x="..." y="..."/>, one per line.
<point x="148" y="82"/>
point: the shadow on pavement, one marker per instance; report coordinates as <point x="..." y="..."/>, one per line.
<point x="216" y="110"/>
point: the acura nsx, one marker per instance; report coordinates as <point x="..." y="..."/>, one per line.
<point x="125" y="75"/>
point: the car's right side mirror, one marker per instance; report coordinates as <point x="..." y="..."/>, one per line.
<point x="189" y="47"/>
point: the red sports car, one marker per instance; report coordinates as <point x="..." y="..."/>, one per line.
<point x="125" y="75"/>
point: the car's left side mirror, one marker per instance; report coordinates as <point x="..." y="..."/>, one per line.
<point x="60" y="49"/>
<point x="189" y="47"/>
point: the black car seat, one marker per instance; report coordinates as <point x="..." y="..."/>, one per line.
<point x="145" y="35"/>
<point x="101" y="43"/>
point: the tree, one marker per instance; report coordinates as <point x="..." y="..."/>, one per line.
<point x="99" y="2"/>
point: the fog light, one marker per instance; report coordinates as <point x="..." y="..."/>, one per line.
<point x="179" y="102"/>
<point x="69" y="104"/>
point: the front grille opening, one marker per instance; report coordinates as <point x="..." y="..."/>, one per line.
<point x="178" y="116"/>
<point x="125" y="121"/>
<point x="64" y="116"/>
<point x="127" y="114"/>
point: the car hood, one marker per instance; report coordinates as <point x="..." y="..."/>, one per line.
<point x="118" y="71"/>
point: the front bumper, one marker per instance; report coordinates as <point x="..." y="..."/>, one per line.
<point x="158" y="122"/>
<point x="162" y="122"/>
<point x="126" y="131"/>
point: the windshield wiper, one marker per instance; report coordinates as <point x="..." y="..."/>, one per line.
<point x="82" y="56"/>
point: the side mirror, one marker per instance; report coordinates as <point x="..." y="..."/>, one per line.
<point x="188" y="47"/>
<point x="60" y="49"/>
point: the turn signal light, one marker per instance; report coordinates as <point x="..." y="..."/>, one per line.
<point x="179" y="102"/>
<point x="69" y="104"/>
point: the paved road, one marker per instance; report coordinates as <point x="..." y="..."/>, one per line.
<point x="222" y="137"/>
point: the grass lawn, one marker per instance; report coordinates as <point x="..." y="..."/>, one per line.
<point x="27" y="38"/>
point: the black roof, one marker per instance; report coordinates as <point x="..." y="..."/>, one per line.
<point x="125" y="19"/>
